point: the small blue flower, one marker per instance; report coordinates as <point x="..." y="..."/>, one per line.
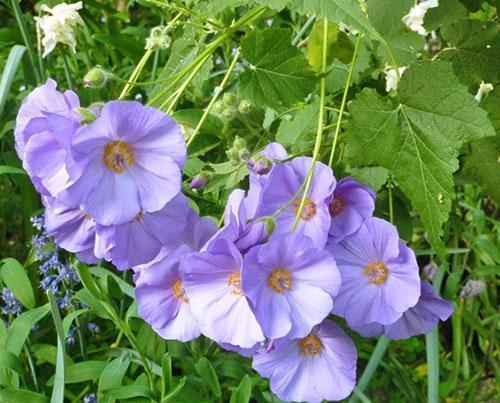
<point x="11" y="304"/>
<point x="90" y="398"/>
<point x="93" y="328"/>
<point x="71" y="338"/>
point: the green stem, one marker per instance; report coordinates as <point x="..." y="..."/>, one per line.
<point x="26" y="39"/>
<point x="136" y="73"/>
<point x="393" y="59"/>
<point x="391" y="203"/>
<point x="373" y="363"/>
<point x="302" y="31"/>
<point x="344" y="99"/>
<point x="174" y="80"/>
<point x="319" y="132"/>
<point x="215" y="97"/>
<point x="66" y="71"/>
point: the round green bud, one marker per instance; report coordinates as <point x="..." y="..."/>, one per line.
<point x="95" y="78"/>
<point x="229" y="99"/>
<point x="239" y="142"/>
<point x="218" y="107"/>
<point x="245" y="106"/>
<point x="228" y="113"/>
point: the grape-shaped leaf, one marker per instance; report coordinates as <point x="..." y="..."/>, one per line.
<point x="347" y="11"/>
<point x="417" y="137"/>
<point x="474" y="50"/>
<point x="279" y="74"/>
<point x="483" y="163"/>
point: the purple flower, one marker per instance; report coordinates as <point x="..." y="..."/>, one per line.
<point x="140" y="240"/>
<point x="162" y="299"/>
<point x="472" y="288"/>
<point x="126" y="162"/>
<point x="199" y="181"/>
<point x="11" y="305"/>
<point x="420" y="319"/>
<point x="290" y="284"/>
<point x="70" y="227"/>
<point x="379" y="275"/>
<point x="284" y="183"/>
<point x="44" y="125"/>
<point x="213" y="284"/>
<point x="320" y="366"/>
<point x="238" y="226"/>
<point x="351" y="203"/>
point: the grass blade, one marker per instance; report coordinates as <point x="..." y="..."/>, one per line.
<point x="9" y="72"/>
<point x="58" y="390"/>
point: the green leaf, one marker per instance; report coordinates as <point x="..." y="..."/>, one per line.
<point x="448" y="11"/>
<point x="243" y="392"/>
<point x="279" y="74"/>
<point x="59" y="377"/>
<point x="21" y="396"/>
<point x="207" y="372"/>
<point x="375" y="177"/>
<point x="21" y="327"/>
<point x="9" y="72"/>
<point x="347" y="11"/>
<point x="82" y="372"/>
<point x="173" y="394"/>
<point x="338" y="45"/>
<point x="5" y="169"/>
<point x="474" y="51"/>
<point x="15" y="278"/>
<point x="10" y="361"/>
<point x="417" y="137"/>
<point x="112" y="375"/>
<point x="128" y="391"/>
<point x="482" y="164"/>
<point x="295" y="132"/>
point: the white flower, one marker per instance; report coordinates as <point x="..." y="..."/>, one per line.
<point x="414" y="20"/>
<point x="391" y="79"/>
<point x="58" y="25"/>
<point x="484" y="88"/>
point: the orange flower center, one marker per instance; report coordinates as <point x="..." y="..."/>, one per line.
<point x="308" y="211"/>
<point x="178" y="291"/>
<point x="336" y="207"/>
<point x="234" y="280"/>
<point x="279" y="280"/>
<point x="118" y="155"/>
<point x="376" y="273"/>
<point x="310" y="345"/>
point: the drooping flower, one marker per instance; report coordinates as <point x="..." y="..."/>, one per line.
<point x="70" y="227"/>
<point x="140" y="240"/>
<point x="58" y="25"/>
<point x="44" y="125"/>
<point x="239" y="228"/>
<point x="420" y="319"/>
<point x="391" y="78"/>
<point x="126" y="162"/>
<point x="414" y="20"/>
<point x="213" y="284"/>
<point x="290" y="284"/>
<point x="320" y="366"/>
<point x="379" y="273"/>
<point x="351" y="203"/>
<point x="162" y="299"/>
<point x="284" y="184"/>
<point x="484" y="89"/>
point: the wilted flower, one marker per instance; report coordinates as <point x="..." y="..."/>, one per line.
<point x="58" y="25"/>
<point x="430" y="270"/>
<point x="320" y="366"/>
<point x="391" y="78"/>
<point x="472" y="288"/>
<point x="484" y="89"/>
<point x="414" y="20"/>
<point x="158" y="38"/>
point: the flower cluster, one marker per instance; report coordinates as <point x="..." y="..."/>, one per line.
<point x="265" y="284"/>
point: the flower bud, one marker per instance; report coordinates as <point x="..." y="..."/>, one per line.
<point x="218" y="107"/>
<point x="199" y="180"/>
<point x="158" y="38"/>
<point x="88" y="115"/>
<point x="245" y="107"/>
<point x="95" y="78"/>
<point x="472" y="288"/>
<point x="229" y="99"/>
<point x="270" y="225"/>
<point x="239" y="142"/>
<point x="259" y="164"/>
<point x="228" y="113"/>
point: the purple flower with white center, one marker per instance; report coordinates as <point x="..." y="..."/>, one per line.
<point x="11" y="305"/>
<point x="140" y="240"/>
<point x="261" y="167"/>
<point x="420" y="319"/>
<point x="238" y="227"/>
<point x="70" y="227"/>
<point x="213" y="284"/>
<point x="162" y="299"/>
<point x="379" y="273"/>
<point x="126" y="162"/>
<point x="290" y="285"/>
<point x="351" y="203"/>
<point x="320" y="366"/>
<point x="45" y="123"/>
<point x="284" y="183"/>
<point x="472" y="288"/>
